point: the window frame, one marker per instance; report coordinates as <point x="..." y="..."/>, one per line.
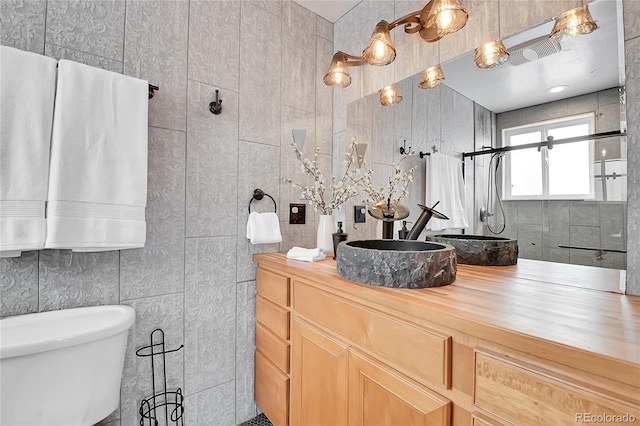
<point x="544" y="127"/>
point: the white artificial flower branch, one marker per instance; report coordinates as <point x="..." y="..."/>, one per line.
<point x="396" y="189"/>
<point x="341" y="190"/>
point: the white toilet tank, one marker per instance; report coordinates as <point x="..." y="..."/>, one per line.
<point x="62" y="367"/>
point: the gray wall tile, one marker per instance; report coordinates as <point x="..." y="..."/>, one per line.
<point x="289" y="165"/>
<point x="589" y="102"/>
<point x="298" y="56"/>
<point x="584" y="257"/>
<point x="412" y="54"/>
<point x="95" y="27"/>
<point x="584" y="236"/>
<point x="19" y="284"/>
<point x="610" y="96"/>
<point x="631" y="19"/>
<point x="164" y="312"/>
<point x="614" y="260"/>
<point x="259" y="167"/>
<point x="212" y="163"/>
<point x="298" y="235"/>
<point x="260" y="68"/>
<point x="214" y="42"/>
<point x="72" y="280"/>
<point x="530" y="241"/>
<point x="210" y="294"/>
<point x="158" y="268"/>
<point x="324" y="28"/>
<point x="245" y="349"/>
<point x="559" y="255"/>
<point x="156" y="50"/>
<point x="213" y="406"/>
<point x="530" y="212"/>
<point x="402" y="113"/>
<point x="612" y="229"/>
<point x="324" y="97"/>
<point x="608" y="118"/>
<point x="84" y="58"/>
<point x="632" y="48"/>
<point x="271" y="6"/>
<point x="558" y="216"/>
<point x="585" y="214"/>
<point x="22" y="24"/>
<point x="482" y="26"/>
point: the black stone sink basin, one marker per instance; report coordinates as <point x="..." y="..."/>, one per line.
<point x="480" y="249"/>
<point x="397" y="263"/>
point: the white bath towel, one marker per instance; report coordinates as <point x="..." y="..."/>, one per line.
<point x="98" y="176"/>
<point x="263" y="228"/>
<point x="307" y="255"/>
<point x="27" y="92"/>
<point x="446" y="184"/>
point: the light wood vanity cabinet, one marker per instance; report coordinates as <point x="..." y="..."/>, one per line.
<point x="332" y="352"/>
<point x="272" y="358"/>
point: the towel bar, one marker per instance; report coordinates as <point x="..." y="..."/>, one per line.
<point x="152" y="90"/>
<point x="258" y="194"/>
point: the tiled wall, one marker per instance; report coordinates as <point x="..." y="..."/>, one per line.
<point x="541" y="226"/>
<point x="489" y="20"/>
<point x="195" y="277"/>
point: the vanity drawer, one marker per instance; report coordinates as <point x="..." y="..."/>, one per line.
<point x="524" y="394"/>
<point x="272" y="391"/>
<point x="274" y="348"/>
<point x="273" y="286"/>
<point x="273" y="316"/>
<point x="404" y="345"/>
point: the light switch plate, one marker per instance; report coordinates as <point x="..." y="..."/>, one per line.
<point x="297" y="214"/>
<point x="359" y="214"/>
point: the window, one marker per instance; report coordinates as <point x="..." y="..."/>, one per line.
<point x="563" y="172"/>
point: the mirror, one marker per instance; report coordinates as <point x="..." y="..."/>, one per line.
<point x="473" y="107"/>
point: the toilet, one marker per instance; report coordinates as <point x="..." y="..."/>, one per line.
<point x="62" y="367"/>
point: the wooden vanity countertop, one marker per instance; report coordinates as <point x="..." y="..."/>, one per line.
<point x="534" y="307"/>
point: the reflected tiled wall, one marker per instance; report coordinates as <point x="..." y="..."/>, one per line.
<point x="541" y="226"/>
<point x="195" y="277"/>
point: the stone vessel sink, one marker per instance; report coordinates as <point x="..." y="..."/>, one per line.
<point x="397" y="263"/>
<point x="481" y="250"/>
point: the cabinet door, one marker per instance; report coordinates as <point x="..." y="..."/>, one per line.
<point x="318" y="377"/>
<point x="381" y="396"/>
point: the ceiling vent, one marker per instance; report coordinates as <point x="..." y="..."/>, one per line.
<point x="533" y="50"/>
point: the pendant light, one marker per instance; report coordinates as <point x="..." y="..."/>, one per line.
<point x="380" y="50"/>
<point x="390" y="95"/>
<point x="491" y="54"/>
<point x="573" y="23"/>
<point x="431" y="78"/>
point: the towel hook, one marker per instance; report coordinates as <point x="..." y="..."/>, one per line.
<point x="403" y="148"/>
<point x="258" y="194"/>
<point x="216" y="106"/>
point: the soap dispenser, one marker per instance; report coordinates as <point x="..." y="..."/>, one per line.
<point x="338" y="236"/>
<point x="404" y="232"/>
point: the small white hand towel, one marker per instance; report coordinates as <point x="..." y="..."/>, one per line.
<point x="446" y="184"/>
<point x="307" y="255"/>
<point x="263" y="228"/>
<point x="98" y="177"/>
<point x="27" y="88"/>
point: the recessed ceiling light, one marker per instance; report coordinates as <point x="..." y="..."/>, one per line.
<point x="556" y="89"/>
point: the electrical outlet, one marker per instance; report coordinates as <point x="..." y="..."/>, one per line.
<point x="297" y="214"/>
<point x="359" y="214"/>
